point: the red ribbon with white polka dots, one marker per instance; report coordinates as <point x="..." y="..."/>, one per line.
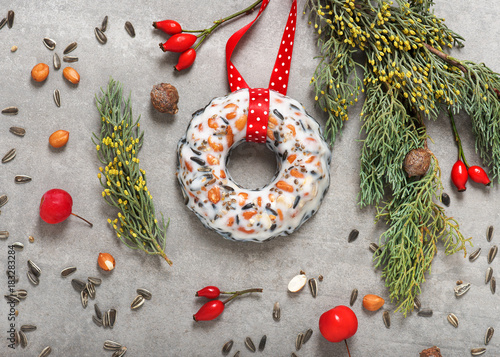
<point x="258" y="107"/>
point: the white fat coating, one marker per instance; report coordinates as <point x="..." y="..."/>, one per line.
<point x="277" y="209"/>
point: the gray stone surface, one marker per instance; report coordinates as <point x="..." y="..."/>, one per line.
<point x="163" y="326"/>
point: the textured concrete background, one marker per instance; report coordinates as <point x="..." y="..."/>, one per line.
<point x="163" y="326"/>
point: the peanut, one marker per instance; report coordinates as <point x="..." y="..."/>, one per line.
<point x="71" y="75"/>
<point x="59" y="138"/>
<point x="40" y="72"/>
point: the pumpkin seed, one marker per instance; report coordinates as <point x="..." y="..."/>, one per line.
<point x="492" y="253"/>
<point x="130" y="29"/>
<point x="489" y="334"/>
<point x="425" y="313"/>
<point x="474" y="255"/>
<point x="298" y="341"/>
<point x="250" y="345"/>
<point x="56" y="61"/>
<point x="32" y="278"/>
<point x="313" y="286"/>
<point x="354" y="296"/>
<point x="35" y="269"/>
<point x="445" y="199"/>
<point x="262" y="343"/>
<point x="22" y="179"/>
<point x="49" y="43"/>
<point x="137" y="302"/>
<point x="416" y="303"/>
<point x="145" y="293"/>
<point x="70" y="48"/>
<point x="28" y="328"/>
<point x="3" y="22"/>
<point x="18" y="246"/>
<point x="477" y="351"/>
<point x="227" y="347"/>
<point x="489" y="233"/>
<point x="276" y="311"/>
<point x="387" y="319"/>
<point x="10" y="18"/>
<point x="111" y="345"/>
<point x="17" y="131"/>
<point x="68" y="271"/>
<point x="23" y="340"/>
<point x="121" y="352"/>
<point x="10" y="111"/>
<point x="101" y="37"/>
<point x="57" y="97"/>
<point x="307" y="336"/>
<point x="493" y="284"/>
<point x="84" y="297"/>
<point x="489" y="274"/>
<point x="297" y="283"/>
<point x="95" y="281"/>
<point x="4" y="234"/>
<point x="3" y="200"/>
<point x="11" y="154"/>
<point x="353" y="236"/>
<point x="45" y="352"/>
<point x="112" y="317"/>
<point x="461" y="289"/>
<point x="104" y="24"/>
<point x="453" y="320"/>
<point x="78" y="285"/>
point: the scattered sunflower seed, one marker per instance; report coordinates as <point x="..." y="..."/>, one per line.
<point x="353" y="236"/>
<point x="262" y="343"/>
<point x="49" y="43"/>
<point x="297" y="283"/>
<point x="78" y="285"/>
<point x="227" y="347"/>
<point x="84" y="297"/>
<point x="11" y="298"/>
<point x="28" y="328"/>
<point x="492" y="253"/>
<point x="101" y="37"/>
<point x="276" y="311"/>
<point x="98" y="312"/>
<point x="104" y="24"/>
<point x="3" y="200"/>
<point x="474" y="255"/>
<point x="105" y="319"/>
<point x="56" y="61"/>
<point x="3" y="22"/>
<point x="425" y="313"/>
<point x="112" y="317"/>
<point x="35" y="269"/>
<point x="145" y="293"/>
<point x="416" y="303"/>
<point x="493" y="284"/>
<point x="11" y="154"/>
<point x="387" y="319"/>
<point x="23" y="340"/>
<point x="17" y="131"/>
<point x="70" y="59"/>
<point x="489" y="334"/>
<point x="10" y="111"/>
<point x="68" y="271"/>
<point x="32" y="278"/>
<point x="298" y="341"/>
<point x="250" y="345"/>
<point x="137" y="302"/>
<point x="354" y="296"/>
<point x="97" y="320"/>
<point x="489" y="274"/>
<point x="18" y="246"/>
<point x="121" y="352"/>
<point x="461" y="289"/>
<point x="16" y="337"/>
<point x="10" y="18"/>
<point x="489" y="233"/>
<point x="374" y="248"/>
<point x="477" y="351"/>
<point x="130" y="29"/>
<point x="453" y="320"/>
<point x="445" y="199"/>
<point x="90" y="289"/>
<point x="45" y="352"/>
<point x="20" y="293"/>
<point x="95" y="281"/>
<point x="4" y="234"/>
<point x="313" y="286"/>
<point x="237" y="354"/>
<point x="307" y="335"/>
<point x="293" y="355"/>
<point x="71" y="47"/>
<point x="111" y="345"/>
<point x="57" y="97"/>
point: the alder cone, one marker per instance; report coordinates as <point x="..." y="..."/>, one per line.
<point x="417" y="162"/>
<point x="164" y="97"/>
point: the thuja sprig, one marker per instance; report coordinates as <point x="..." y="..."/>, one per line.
<point x="123" y="181"/>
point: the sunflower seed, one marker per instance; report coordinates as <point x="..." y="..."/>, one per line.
<point x="297" y="283"/>
<point x="11" y="298"/>
<point x="353" y="236"/>
<point x="453" y="320"/>
<point x="313" y="286"/>
<point x="35" y="269"/>
<point x="23" y="340"/>
<point x="425" y="313"/>
<point x="492" y="253"/>
<point x="293" y="355"/>
<point x="11" y="154"/>
<point x="474" y="255"/>
<point x="49" y="43"/>
<point x="250" y="345"/>
<point x="130" y="29"/>
<point x="489" y="334"/>
<point x="105" y="319"/>
<point x="112" y="317"/>
<point x="493" y="284"/>
<point x="4" y="234"/>
<point x="10" y="111"/>
<point x="477" y="351"/>
<point x="121" y="352"/>
<point x="28" y="328"/>
<point x="67" y="271"/>
<point x="98" y="312"/>
<point x="95" y="281"/>
<point x="262" y="343"/>
<point x="387" y="319"/>
<point x="20" y="293"/>
<point x="90" y="289"/>
<point x="489" y="274"/>
<point x="237" y="354"/>
<point x="489" y="233"/>
<point x="298" y="341"/>
<point x="354" y="296"/>
<point x="22" y="179"/>
<point x="374" y="248"/>
<point x="227" y="347"/>
<point x="16" y="337"/>
<point x="17" y="131"/>
<point x="84" y="297"/>
<point x="3" y="200"/>
<point x="101" y="37"/>
<point x="45" y="352"/>
<point x="461" y="289"/>
<point x="137" y="302"/>
<point x="32" y="278"/>
<point x="145" y="293"/>
<point x="276" y="311"/>
<point x="104" y="24"/>
<point x="71" y="47"/>
<point x="57" y="97"/>
<point x="18" y="246"/>
<point x="3" y="22"/>
<point x="111" y="345"/>
<point x="56" y="60"/>
<point x="445" y="199"/>
<point x="307" y="336"/>
<point x="416" y="303"/>
<point x="78" y="285"/>
<point x="10" y="18"/>
<point x="70" y="59"/>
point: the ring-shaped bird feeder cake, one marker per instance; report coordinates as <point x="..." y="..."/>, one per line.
<point x="262" y="115"/>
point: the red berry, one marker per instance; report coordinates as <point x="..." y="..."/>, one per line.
<point x="459" y="175"/>
<point x="55" y="206"/>
<point x="211" y="292"/>
<point x="179" y="42"/>
<point x="477" y="174"/>
<point x="211" y="310"/>
<point x="170" y="27"/>
<point x="186" y="59"/>
<point x="338" y="324"/>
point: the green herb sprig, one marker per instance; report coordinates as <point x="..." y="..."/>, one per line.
<point x="124" y="182"/>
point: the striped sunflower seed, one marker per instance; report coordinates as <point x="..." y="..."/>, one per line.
<point x="307" y="335"/>
<point x="10" y="18"/>
<point x="425" y="313"/>
<point x="130" y="29"/>
<point x="57" y="97"/>
<point x="68" y="271"/>
<point x="3" y="22"/>
<point x="461" y="289"/>
<point x="70" y="59"/>
<point x="121" y="352"/>
<point x="35" y="269"/>
<point x="11" y="298"/>
<point x="11" y="154"/>
<point x="298" y="341"/>
<point x="354" y="296"/>
<point x="489" y="274"/>
<point x="111" y="345"/>
<point x="493" y="285"/>
<point x="95" y="281"/>
<point x="375" y="248"/>
<point x="262" y="343"/>
<point x="101" y="37"/>
<point x="453" y="320"/>
<point x="56" y="61"/>
<point x="20" y="293"/>
<point x="97" y="320"/>
<point x="386" y="317"/>
<point x="227" y="347"/>
<point x="18" y="246"/>
<point x="4" y="234"/>
<point x="10" y="111"/>
<point x="313" y="286"/>
<point x="105" y="319"/>
<point x="145" y="293"/>
<point x="16" y="337"/>
<point x="98" y="312"/>
<point x="22" y="179"/>
<point x="137" y="302"/>
<point x="416" y="303"/>
<point x="104" y="24"/>
<point x="45" y="352"/>
<point x="90" y="289"/>
<point x="70" y="48"/>
<point x="250" y="345"/>
<point x="478" y="351"/>
<point x="353" y="236"/>
<point x="489" y="233"/>
<point x="276" y="311"/>
<point x="492" y="253"/>
<point x="78" y="285"/>
<point x="475" y="254"/>
<point x="49" y="43"/>
<point x="23" y="340"/>
<point x="489" y="334"/>
<point x="84" y="297"/>
<point x="112" y="317"/>
<point x="28" y="328"/>
<point x="17" y="131"/>
<point x="445" y="199"/>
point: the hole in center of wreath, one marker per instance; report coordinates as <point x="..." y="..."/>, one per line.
<point x="252" y="165"/>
